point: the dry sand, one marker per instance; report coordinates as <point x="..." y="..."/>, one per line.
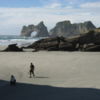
<point x="55" y="69"/>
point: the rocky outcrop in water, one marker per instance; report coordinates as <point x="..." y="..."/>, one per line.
<point x="65" y="28"/>
<point x="89" y="41"/>
<point x="40" y="29"/>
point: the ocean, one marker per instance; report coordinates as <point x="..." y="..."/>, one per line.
<point x="15" y="39"/>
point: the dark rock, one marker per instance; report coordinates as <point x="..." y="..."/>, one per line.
<point x="53" y="44"/>
<point x="92" y="36"/>
<point x="13" y="47"/>
<point x="89" y="40"/>
<point x="94" y="48"/>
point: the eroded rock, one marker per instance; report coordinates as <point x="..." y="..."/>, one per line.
<point x="65" y="28"/>
<point x="13" y="47"/>
<point x="40" y="29"/>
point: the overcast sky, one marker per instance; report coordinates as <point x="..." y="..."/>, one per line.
<point x="16" y="13"/>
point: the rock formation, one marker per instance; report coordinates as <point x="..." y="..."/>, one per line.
<point x="53" y="44"/>
<point x="92" y="36"/>
<point x="89" y="41"/>
<point x="65" y="28"/>
<point x="40" y="29"/>
<point x="14" y="48"/>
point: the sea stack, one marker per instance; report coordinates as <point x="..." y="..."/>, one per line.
<point x="65" y="28"/>
<point x="40" y="29"/>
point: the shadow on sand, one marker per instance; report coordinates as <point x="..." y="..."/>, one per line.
<point x="41" y="77"/>
<point x="23" y="91"/>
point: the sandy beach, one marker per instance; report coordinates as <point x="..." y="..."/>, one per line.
<point x="53" y="69"/>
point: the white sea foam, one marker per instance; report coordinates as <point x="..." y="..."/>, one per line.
<point x="20" y="41"/>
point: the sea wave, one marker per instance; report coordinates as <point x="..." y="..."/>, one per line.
<point x="20" y="41"/>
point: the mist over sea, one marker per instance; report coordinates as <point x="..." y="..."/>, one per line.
<point x="15" y="39"/>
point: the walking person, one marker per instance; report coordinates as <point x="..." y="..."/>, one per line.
<point x="32" y="67"/>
